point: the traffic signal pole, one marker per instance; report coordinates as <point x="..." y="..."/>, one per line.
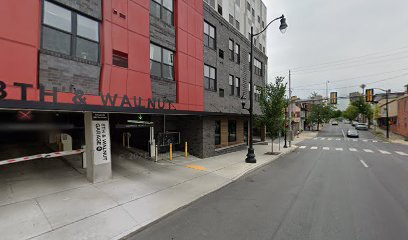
<point x="386" y="116"/>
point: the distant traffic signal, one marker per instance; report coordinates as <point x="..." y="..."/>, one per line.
<point x="333" y="98"/>
<point x="369" y="95"/>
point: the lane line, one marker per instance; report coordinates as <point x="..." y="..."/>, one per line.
<point x="326" y="148"/>
<point x="384" y="152"/>
<point x="338" y="139"/>
<point x="353" y="149"/>
<point x="344" y="135"/>
<point x="368" y="150"/>
<point x="302" y="147"/>
<point x="374" y="141"/>
<point x="401" y="153"/>
<point x="313" y="148"/>
<point x="339" y="149"/>
<point x="364" y="163"/>
<point x="329" y="139"/>
<point x="365" y="140"/>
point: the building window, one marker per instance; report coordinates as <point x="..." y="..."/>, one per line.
<point x="260" y="47"/>
<point x="231" y="49"/>
<point x="162" y="9"/>
<point x="231" y="84"/>
<point x="263" y="24"/>
<point x="258" y="67"/>
<point x="237" y="24"/>
<point x="209" y="35"/>
<point x="263" y="49"/>
<point x="257" y="93"/>
<point x="248" y="6"/>
<point x="119" y="59"/>
<point x="221" y="92"/>
<point x="253" y="13"/>
<point x="259" y="19"/>
<point x="232" y="131"/>
<point x="237" y="53"/>
<point x="217" y="134"/>
<point x="210" y="81"/>
<point x="212" y="3"/>
<point x="238" y="86"/>
<point x="231" y="20"/>
<point x="221" y="53"/>
<point x="219" y="9"/>
<point x="161" y="62"/>
<point x="69" y="33"/>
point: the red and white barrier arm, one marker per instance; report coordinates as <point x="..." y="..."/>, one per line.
<point x="43" y="155"/>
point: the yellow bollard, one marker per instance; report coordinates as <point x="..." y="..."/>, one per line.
<point x="185" y="150"/>
<point x="171" y="151"/>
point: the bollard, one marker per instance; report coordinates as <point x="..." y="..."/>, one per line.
<point x="185" y="150"/>
<point x="171" y="151"/>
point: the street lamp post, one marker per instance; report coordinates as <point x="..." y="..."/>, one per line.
<point x="387" y="118"/>
<point x="251" y="153"/>
<point x="284" y="128"/>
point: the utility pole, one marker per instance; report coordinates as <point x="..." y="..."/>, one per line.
<point x="290" y="112"/>
<point x="327" y="90"/>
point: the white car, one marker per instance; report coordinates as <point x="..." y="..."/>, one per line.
<point x="362" y="126"/>
<point x="352" y="133"/>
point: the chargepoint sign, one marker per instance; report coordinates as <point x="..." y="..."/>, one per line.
<point x="101" y="138"/>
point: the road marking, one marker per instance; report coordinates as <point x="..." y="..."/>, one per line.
<point x="326" y="148"/>
<point x="315" y="138"/>
<point x="375" y="141"/>
<point x="339" y="149"/>
<point x="353" y="149"/>
<point x="197" y="167"/>
<point x="302" y="147"/>
<point x="364" y="164"/>
<point x="344" y="135"/>
<point x="338" y="139"/>
<point x="401" y="153"/>
<point x="368" y="150"/>
<point x="322" y="138"/>
<point x="355" y="140"/>
<point x="313" y="148"/>
<point x="329" y="139"/>
<point x="365" y="140"/>
<point x="384" y="152"/>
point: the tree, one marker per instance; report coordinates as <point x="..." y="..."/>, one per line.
<point x="272" y="102"/>
<point x="351" y="112"/>
<point x="320" y="113"/>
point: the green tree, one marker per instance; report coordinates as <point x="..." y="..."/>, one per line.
<point x="272" y="102"/>
<point x="351" y="112"/>
<point x="363" y="107"/>
<point x="320" y="113"/>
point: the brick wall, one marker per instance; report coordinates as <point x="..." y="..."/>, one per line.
<point x="92" y="8"/>
<point x="162" y="34"/>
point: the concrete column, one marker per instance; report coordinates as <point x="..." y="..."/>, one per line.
<point x="98" y="147"/>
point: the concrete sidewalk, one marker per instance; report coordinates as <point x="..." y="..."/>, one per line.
<point x="54" y="201"/>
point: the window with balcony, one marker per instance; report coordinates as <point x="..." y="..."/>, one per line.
<point x="209" y="35"/>
<point x="161" y="62"/>
<point x="69" y="33"/>
<point x="210" y="81"/>
<point x="162" y="9"/>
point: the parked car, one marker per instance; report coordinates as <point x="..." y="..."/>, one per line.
<point x="354" y="123"/>
<point x="335" y="123"/>
<point x="361" y="126"/>
<point x="352" y="133"/>
<point x="346" y="121"/>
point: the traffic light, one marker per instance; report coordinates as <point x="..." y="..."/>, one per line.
<point x="369" y="95"/>
<point x="333" y="98"/>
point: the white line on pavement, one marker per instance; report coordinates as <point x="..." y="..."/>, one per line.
<point x="338" y="139"/>
<point x="364" y="164"/>
<point x="339" y="149"/>
<point x="302" y="147"/>
<point x="368" y="150"/>
<point x="313" y="148"/>
<point x="355" y="140"/>
<point x="375" y="141"/>
<point x="384" y="152"/>
<point x="329" y="139"/>
<point x="353" y="149"/>
<point x="326" y="148"/>
<point x="344" y="135"/>
<point x="365" y="140"/>
<point x="322" y="138"/>
<point x="401" y="153"/>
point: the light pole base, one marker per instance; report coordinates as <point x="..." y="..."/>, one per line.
<point x="250" y="156"/>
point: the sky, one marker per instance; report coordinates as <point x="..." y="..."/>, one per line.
<point x="347" y="43"/>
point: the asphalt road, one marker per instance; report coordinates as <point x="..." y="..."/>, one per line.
<point x="330" y="188"/>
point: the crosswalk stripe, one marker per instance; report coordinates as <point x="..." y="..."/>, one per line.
<point x="353" y="149"/>
<point x="355" y="140"/>
<point x="302" y="147"/>
<point x="375" y="141"/>
<point x="322" y="138"/>
<point x="384" y="152"/>
<point x="339" y="149"/>
<point x="401" y="153"/>
<point x="326" y="148"/>
<point x="368" y="150"/>
<point x="365" y="140"/>
<point x="338" y="139"/>
<point x="329" y="139"/>
<point x="313" y="148"/>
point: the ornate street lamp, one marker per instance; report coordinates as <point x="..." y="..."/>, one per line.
<point x="251" y="153"/>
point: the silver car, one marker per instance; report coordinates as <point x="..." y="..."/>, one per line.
<point x="352" y="133"/>
<point x="362" y="126"/>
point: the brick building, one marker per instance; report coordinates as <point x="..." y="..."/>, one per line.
<point x="141" y="67"/>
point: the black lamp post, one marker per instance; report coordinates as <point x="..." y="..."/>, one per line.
<point x="251" y="153"/>
<point x="387" y="118"/>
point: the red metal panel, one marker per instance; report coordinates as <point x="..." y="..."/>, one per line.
<point x="119" y="38"/>
<point x="139" y="53"/>
<point x="120" y="12"/>
<point x="118" y="81"/>
<point x="139" y="84"/>
<point x="139" y="19"/>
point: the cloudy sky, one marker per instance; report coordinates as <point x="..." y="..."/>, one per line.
<point x="347" y="43"/>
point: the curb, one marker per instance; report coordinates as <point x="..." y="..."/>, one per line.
<point x="130" y="233"/>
